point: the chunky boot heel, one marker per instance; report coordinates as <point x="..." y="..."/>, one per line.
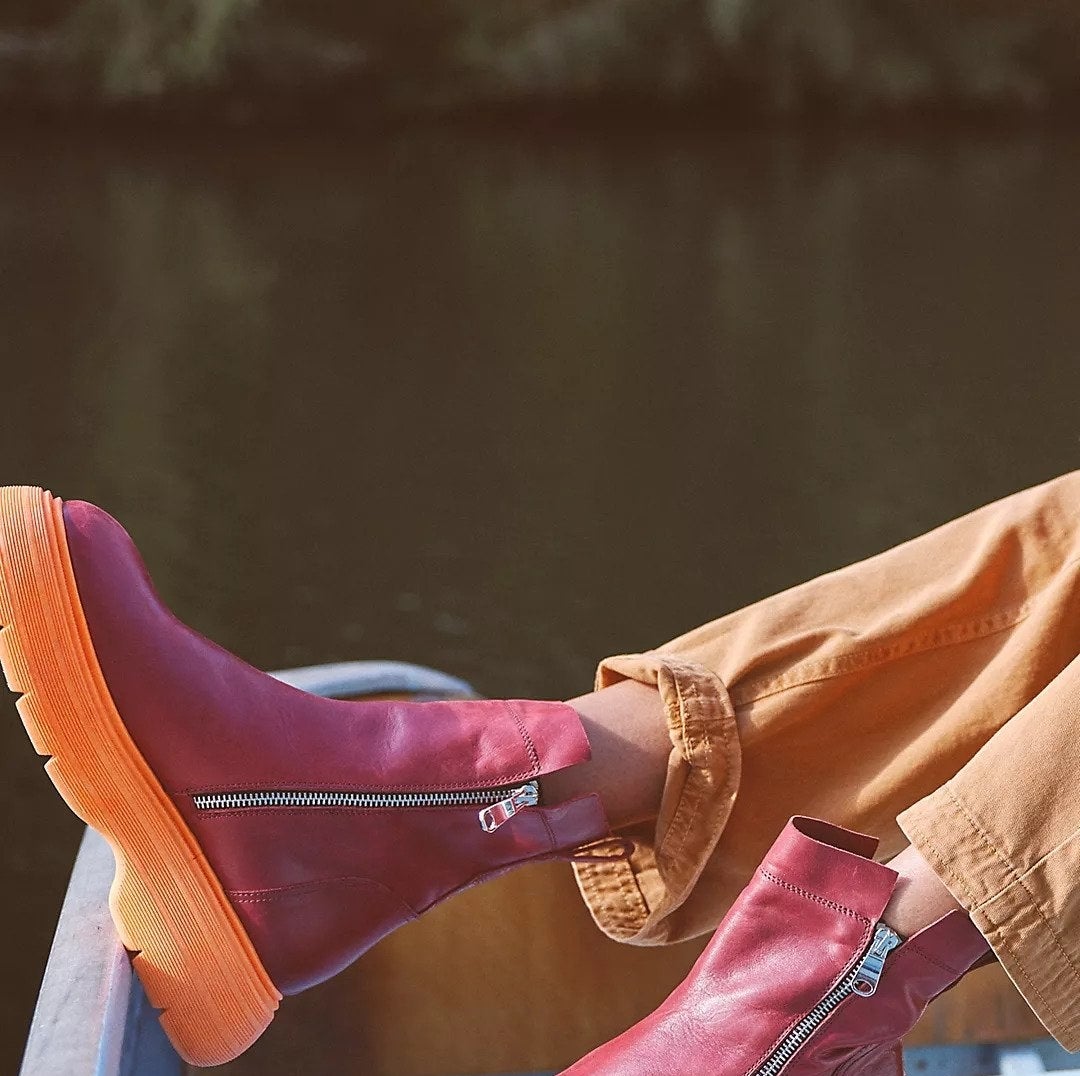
<point x="193" y="955"/>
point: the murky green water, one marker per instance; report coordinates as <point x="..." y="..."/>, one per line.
<point x="504" y="405"/>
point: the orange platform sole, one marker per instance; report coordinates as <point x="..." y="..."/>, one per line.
<point x="192" y="954"/>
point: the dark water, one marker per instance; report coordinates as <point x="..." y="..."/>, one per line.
<point x="504" y="405"/>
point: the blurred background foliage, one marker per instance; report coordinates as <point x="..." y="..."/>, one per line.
<point x="248" y="58"/>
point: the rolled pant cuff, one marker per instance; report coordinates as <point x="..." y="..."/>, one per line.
<point x="631" y="898"/>
<point x="1011" y="908"/>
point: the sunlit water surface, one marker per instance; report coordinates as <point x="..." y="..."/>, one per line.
<point x="503" y="405"/>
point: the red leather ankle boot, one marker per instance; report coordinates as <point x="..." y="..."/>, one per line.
<point x="801" y="978"/>
<point x="264" y="837"/>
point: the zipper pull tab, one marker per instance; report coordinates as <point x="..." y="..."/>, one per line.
<point x="868" y="973"/>
<point x="494" y="816"/>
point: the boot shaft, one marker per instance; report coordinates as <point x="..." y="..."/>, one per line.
<point x="802" y="977"/>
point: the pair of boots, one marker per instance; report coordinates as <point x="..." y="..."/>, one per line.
<point x="266" y="838"/>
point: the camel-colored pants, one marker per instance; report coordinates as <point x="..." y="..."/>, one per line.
<point x="930" y="694"/>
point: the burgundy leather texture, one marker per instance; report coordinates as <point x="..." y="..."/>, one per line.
<point x="862" y="1036"/>
<point x="315" y="887"/>
<point x="795" y="931"/>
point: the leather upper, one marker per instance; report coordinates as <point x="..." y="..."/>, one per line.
<point x="864" y="1033"/>
<point x="315" y="887"/>
<point x="793" y="934"/>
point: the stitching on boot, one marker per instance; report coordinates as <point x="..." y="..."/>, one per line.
<point x="530" y="747"/>
<point x="812" y="896"/>
<point x="914" y="948"/>
<point x="273" y="893"/>
<point x="550" y="832"/>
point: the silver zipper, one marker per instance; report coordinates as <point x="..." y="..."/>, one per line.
<point x="863" y="980"/>
<point x="499" y="804"/>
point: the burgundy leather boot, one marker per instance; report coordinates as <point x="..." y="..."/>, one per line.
<point x="264" y="837"/>
<point x="801" y="978"/>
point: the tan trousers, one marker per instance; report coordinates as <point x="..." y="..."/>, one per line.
<point x="930" y="694"/>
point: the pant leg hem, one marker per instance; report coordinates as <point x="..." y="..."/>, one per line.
<point x="631" y="898"/>
<point x="1002" y="903"/>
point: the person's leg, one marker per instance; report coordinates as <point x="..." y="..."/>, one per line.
<point x="827" y="959"/>
<point x="920" y="897"/>
<point x="630" y="747"/>
<point x="1004" y="835"/>
<point x="847" y="698"/>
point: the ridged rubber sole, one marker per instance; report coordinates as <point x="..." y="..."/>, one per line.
<point x="191" y="952"/>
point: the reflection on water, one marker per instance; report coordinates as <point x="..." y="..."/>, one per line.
<point x="504" y="406"/>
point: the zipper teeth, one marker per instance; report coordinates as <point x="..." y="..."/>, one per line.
<point x="223" y="801"/>
<point x="801" y="1032"/>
